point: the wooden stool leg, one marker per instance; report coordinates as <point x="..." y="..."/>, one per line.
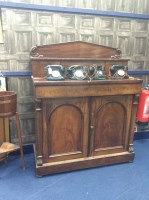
<point x="4" y="129"/>
<point x="20" y="139"/>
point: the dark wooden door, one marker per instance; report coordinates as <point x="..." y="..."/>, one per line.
<point x="109" y="124"/>
<point x="65" y="124"/>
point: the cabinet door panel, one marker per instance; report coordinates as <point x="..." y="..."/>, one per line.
<point x="65" y="126"/>
<point x="66" y="130"/>
<point x="110" y="124"/>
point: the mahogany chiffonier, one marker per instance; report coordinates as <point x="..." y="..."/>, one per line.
<point x="82" y="123"/>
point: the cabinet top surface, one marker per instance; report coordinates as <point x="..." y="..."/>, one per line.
<point x="42" y="81"/>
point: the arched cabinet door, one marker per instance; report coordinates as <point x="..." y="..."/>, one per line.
<point x="65" y="131"/>
<point x="109" y="126"/>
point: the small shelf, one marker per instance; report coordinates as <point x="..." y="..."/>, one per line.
<point x="8" y="147"/>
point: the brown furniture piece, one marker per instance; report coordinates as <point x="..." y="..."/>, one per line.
<point x="4" y="134"/>
<point x="8" y="104"/>
<point x="81" y="123"/>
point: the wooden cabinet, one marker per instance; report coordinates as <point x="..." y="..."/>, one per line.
<point x="82" y="123"/>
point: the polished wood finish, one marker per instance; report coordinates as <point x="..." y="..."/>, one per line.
<point x="71" y="126"/>
<point x="73" y="53"/>
<point x="82" y="123"/>
<point x="110" y="121"/>
<point x="56" y="89"/>
<point x="75" y="50"/>
<point x="8" y="107"/>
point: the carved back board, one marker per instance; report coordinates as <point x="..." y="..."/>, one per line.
<point x="70" y="53"/>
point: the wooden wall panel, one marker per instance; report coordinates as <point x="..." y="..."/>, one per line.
<point x="25" y="107"/>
